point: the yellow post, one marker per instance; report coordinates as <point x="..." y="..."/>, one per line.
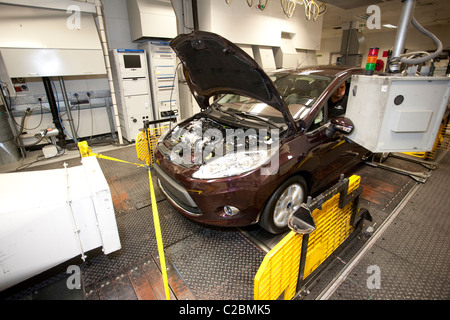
<point x="86" y="151"/>
<point x="144" y="152"/>
<point x="159" y="237"/>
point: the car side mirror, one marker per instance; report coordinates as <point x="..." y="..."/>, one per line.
<point x="340" y="124"/>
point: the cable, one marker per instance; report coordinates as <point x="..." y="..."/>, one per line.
<point x="289" y="7"/>
<point x="262" y="7"/>
<point x="42" y="116"/>
<point x="21" y="126"/>
<point x="311" y="7"/>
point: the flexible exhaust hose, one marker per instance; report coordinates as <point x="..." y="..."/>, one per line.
<point x="438" y="42"/>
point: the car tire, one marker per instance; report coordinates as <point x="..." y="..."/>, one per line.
<point x="282" y="204"/>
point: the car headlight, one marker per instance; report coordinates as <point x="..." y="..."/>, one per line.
<point x="232" y="164"/>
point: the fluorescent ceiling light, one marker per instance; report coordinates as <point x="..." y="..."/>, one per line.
<point x="391" y="26"/>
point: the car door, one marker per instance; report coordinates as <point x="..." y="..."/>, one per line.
<point x="337" y="154"/>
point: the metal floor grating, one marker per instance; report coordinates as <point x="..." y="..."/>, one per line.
<point x="223" y="255"/>
<point x="217" y="264"/>
<point x="413" y="252"/>
<point x="220" y="263"/>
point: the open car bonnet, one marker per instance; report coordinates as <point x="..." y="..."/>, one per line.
<point x="213" y="65"/>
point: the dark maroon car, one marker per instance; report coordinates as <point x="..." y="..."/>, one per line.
<point x="261" y="143"/>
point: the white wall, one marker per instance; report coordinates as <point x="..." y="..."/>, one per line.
<point x="244" y="25"/>
<point x="385" y="40"/>
<point x="95" y="122"/>
<point x="117" y="24"/>
<point x="237" y="22"/>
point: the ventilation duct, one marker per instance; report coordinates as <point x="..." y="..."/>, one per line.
<point x="151" y="19"/>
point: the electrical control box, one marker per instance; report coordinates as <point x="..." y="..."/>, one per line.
<point x="131" y="83"/>
<point x="396" y="113"/>
<point x="162" y="64"/>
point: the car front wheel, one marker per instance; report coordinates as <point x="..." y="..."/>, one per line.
<point x="282" y="204"/>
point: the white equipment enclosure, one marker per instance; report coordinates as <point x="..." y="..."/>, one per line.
<point x="48" y="217"/>
<point x="397" y="114"/>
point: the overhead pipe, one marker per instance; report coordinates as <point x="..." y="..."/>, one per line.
<point x="403" y="24"/>
<point x="103" y="39"/>
<point x="407" y="18"/>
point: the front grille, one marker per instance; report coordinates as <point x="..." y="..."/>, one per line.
<point x="176" y="192"/>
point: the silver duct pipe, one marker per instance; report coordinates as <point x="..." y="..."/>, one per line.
<point x="403" y="24"/>
<point x="405" y="19"/>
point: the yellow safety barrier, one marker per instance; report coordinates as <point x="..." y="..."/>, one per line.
<point x="145" y="142"/>
<point x="442" y="142"/>
<point x="332" y="228"/>
<point x="142" y="149"/>
<point x="278" y="272"/>
<point x="280" y="269"/>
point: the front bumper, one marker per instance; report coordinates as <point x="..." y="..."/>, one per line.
<point x="206" y="203"/>
<point x="175" y="193"/>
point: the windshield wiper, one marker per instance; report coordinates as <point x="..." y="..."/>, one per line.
<point x="233" y="114"/>
<point x="259" y="118"/>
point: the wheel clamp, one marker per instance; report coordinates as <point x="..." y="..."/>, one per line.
<point x="319" y="227"/>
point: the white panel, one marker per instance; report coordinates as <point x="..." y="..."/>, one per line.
<point x="241" y="24"/>
<point x="412" y="121"/>
<point x="247" y="48"/>
<point x="135" y="86"/>
<point x="52" y="62"/>
<point x="41" y="232"/>
<point x="138" y="104"/>
<point x="40" y="42"/>
<point x="397" y="114"/>
<point x="158" y="25"/>
<point x="265" y="58"/>
<point x="26" y="27"/>
<point x="286" y="55"/>
<point x="151" y="18"/>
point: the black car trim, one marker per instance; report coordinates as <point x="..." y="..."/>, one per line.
<point x="176" y="192"/>
<point x="178" y="204"/>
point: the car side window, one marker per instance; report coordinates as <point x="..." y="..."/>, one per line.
<point x="319" y="120"/>
<point x="337" y="102"/>
<point x="335" y="105"/>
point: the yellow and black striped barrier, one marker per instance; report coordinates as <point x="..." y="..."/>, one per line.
<point x="319" y="227"/>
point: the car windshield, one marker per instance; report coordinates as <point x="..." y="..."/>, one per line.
<point x="299" y="91"/>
